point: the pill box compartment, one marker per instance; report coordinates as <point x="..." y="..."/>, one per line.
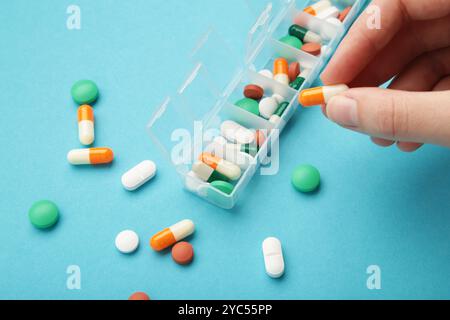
<point x="187" y="122"/>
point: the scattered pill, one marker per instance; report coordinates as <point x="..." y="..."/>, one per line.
<point x="292" y="41"/>
<point x="276" y="117"/>
<point x="84" y="92"/>
<point x="306" y="178"/>
<point x="236" y="133"/>
<point x="171" y="235"/>
<point x="281" y="71"/>
<point x="138" y="175"/>
<point x="183" y="253"/>
<point x="90" y="156"/>
<point x="278" y="97"/>
<point x="43" y="214"/>
<point x="316" y="7"/>
<point x="312" y="48"/>
<point x="86" y="125"/>
<point x="254" y="92"/>
<point x="266" y="73"/>
<point x="344" y="13"/>
<point x="249" y="105"/>
<point x="273" y="257"/>
<point x="205" y="173"/>
<point x="330" y="12"/>
<point x="127" y="241"/>
<point x="223" y="186"/>
<point x="139" y="296"/>
<point x="294" y="71"/>
<point x="304" y="34"/>
<point x="267" y="107"/>
<point x="320" y="95"/>
<point x="227" y="168"/>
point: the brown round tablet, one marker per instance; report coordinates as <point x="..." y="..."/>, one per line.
<point x="294" y="71"/>
<point x="312" y="48"/>
<point x="252" y="91"/>
<point x="344" y="13"/>
<point x="139" y="296"/>
<point x="183" y="253"/>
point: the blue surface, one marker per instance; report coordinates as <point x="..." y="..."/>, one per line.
<point x="376" y="206"/>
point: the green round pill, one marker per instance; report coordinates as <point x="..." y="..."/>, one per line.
<point x="223" y="186"/>
<point x="249" y="104"/>
<point x="306" y="178"/>
<point x="292" y="41"/>
<point x="84" y="92"/>
<point x="43" y="214"/>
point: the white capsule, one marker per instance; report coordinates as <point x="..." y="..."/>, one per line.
<point x="282" y="78"/>
<point x="331" y="91"/>
<point x="86" y="125"/>
<point x="236" y="133"/>
<point x="227" y="168"/>
<point x="202" y="171"/>
<point x="138" y="175"/>
<point x="279" y="98"/>
<point x="330" y="12"/>
<point x="273" y="257"/>
<point x="266" y="73"/>
<point x="334" y="21"/>
<point x="312" y="37"/>
<point x="267" y="107"/>
<point x="182" y="229"/>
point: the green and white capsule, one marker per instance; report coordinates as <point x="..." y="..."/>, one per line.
<point x="304" y="34"/>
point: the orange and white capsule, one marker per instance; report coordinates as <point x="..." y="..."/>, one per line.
<point x="86" y="125"/>
<point x="90" y="156"/>
<point x="315" y="8"/>
<point x="281" y="71"/>
<point x="320" y="95"/>
<point x="227" y="168"/>
<point x="172" y="235"/>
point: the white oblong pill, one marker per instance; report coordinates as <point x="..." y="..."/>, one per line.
<point x="234" y="132"/>
<point x="330" y="12"/>
<point x="273" y="257"/>
<point x="138" y="175"/>
<point x="267" y="107"/>
<point x="127" y="241"/>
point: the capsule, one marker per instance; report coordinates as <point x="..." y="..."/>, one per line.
<point x="228" y="169"/>
<point x="86" y="124"/>
<point x="281" y="71"/>
<point x="276" y="117"/>
<point x="206" y="173"/>
<point x="297" y="83"/>
<point x="171" y="235"/>
<point x="320" y="95"/>
<point x="316" y="7"/>
<point x="330" y="12"/>
<point x="236" y="133"/>
<point x="232" y="152"/>
<point x="90" y="156"/>
<point x="304" y="34"/>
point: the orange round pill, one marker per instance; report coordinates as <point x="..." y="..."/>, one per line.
<point x="344" y="13"/>
<point x="312" y="48"/>
<point x="183" y="253"/>
<point x="139" y="296"/>
<point x="294" y="71"/>
<point x="252" y="91"/>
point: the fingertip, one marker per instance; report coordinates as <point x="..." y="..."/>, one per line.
<point x="409" y="146"/>
<point x="382" y="142"/>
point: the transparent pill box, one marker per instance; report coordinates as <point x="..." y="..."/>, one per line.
<point x="187" y="122"/>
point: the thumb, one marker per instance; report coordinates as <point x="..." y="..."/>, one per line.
<point x="394" y="115"/>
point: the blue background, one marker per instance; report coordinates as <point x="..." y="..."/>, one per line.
<point x="376" y="206"/>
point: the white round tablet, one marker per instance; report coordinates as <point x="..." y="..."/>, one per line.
<point x="127" y="241"/>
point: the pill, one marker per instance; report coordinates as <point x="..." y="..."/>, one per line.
<point x="344" y="13"/>
<point x="276" y="117"/>
<point x="267" y="107"/>
<point x="139" y="296"/>
<point x="86" y="124"/>
<point x="297" y="83"/>
<point x="334" y="21"/>
<point x="43" y="214"/>
<point x="330" y="12"/>
<point x="138" y="175"/>
<point x="266" y="73"/>
<point x="273" y="257"/>
<point x="232" y="152"/>
<point x="312" y="48"/>
<point x="223" y="186"/>
<point x="292" y="41"/>
<point x="260" y="138"/>
<point x="84" y="92"/>
<point x="305" y="178"/>
<point x="183" y="253"/>
<point x="249" y="105"/>
<point x="320" y="95"/>
<point x="278" y="97"/>
<point x="127" y="241"/>
<point x="90" y="156"/>
<point x="227" y="168"/>
<point x="253" y="91"/>
<point x="205" y="173"/>
<point x="294" y="71"/>
<point x="236" y="133"/>
<point x="171" y="235"/>
<point x="318" y="6"/>
<point x="281" y="71"/>
<point x="251" y="149"/>
<point x="304" y="34"/>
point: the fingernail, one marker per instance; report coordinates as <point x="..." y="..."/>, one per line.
<point x="343" y="111"/>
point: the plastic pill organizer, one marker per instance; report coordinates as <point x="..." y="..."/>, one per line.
<point x="186" y="123"/>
